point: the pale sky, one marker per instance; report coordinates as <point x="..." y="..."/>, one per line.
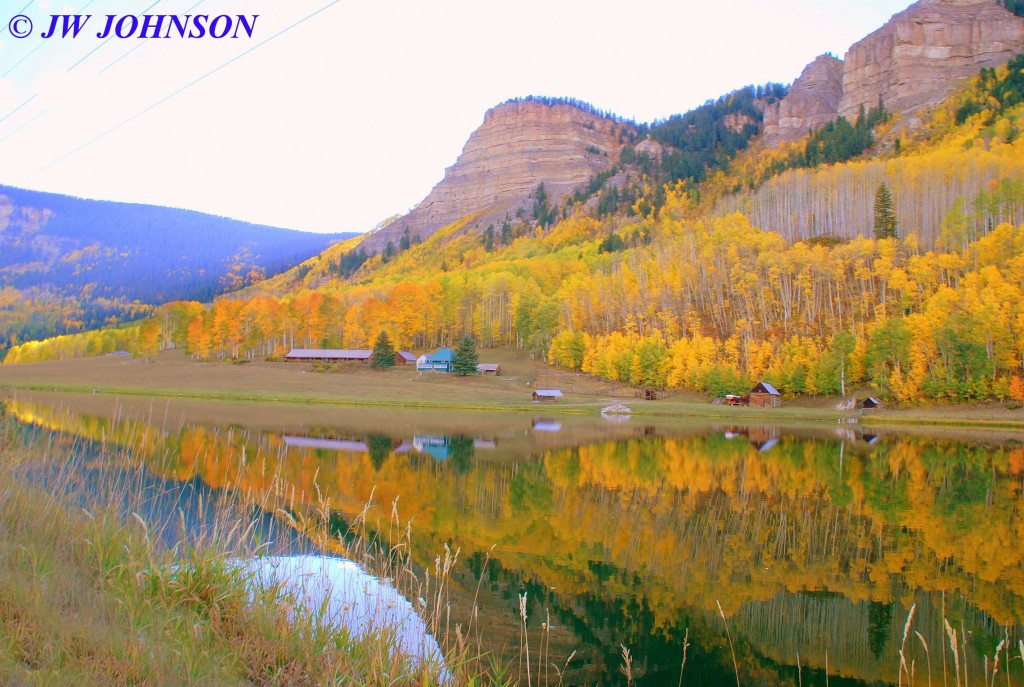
<point x="352" y="115"/>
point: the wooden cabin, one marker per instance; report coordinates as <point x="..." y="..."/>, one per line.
<point x="546" y="394"/>
<point x="404" y="358"/>
<point x="871" y="403"/>
<point x="328" y="355"/>
<point x="492" y="369"/>
<point x="764" y="395"/>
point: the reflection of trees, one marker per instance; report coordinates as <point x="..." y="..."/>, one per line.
<point x="379" y="449"/>
<point x="653" y="531"/>
<point x="460" y="453"/>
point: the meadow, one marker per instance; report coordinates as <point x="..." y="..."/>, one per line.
<point x="172" y="374"/>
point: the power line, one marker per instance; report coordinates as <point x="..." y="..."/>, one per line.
<point x="141" y="43"/>
<point x="30" y="99"/>
<point x="179" y="91"/>
<point x="24" y="124"/>
<point x="110" y="38"/>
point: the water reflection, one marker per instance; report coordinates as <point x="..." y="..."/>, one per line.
<point x="815" y="541"/>
<point x="338" y="593"/>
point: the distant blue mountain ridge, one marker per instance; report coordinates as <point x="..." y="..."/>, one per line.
<point x="95" y="255"/>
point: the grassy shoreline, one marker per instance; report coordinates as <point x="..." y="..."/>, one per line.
<point x="172" y="375"/>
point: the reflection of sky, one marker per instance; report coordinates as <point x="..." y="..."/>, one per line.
<point x="355" y="600"/>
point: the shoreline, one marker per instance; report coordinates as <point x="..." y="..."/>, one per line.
<point x="171" y="376"/>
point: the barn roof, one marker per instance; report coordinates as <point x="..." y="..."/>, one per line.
<point x="330" y="353"/>
<point x="765" y="388"/>
<point x="551" y="393"/>
<point x="407" y="356"/>
<point x="441" y="355"/>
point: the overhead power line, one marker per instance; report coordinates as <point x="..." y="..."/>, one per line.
<point x="179" y="91"/>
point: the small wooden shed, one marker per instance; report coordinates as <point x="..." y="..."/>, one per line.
<point x="870" y="403"/>
<point x="492" y="369"/>
<point x="404" y="358"/>
<point x="546" y="394"/>
<point x="764" y="395"/>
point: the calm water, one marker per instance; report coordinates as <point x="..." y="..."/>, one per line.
<point x="816" y="542"/>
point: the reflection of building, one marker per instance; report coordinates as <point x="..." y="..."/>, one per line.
<point x="435" y="446"/>
<point x="546" y="425"/>
<point x="762" y="438"/>
<point x="328" y="444"/>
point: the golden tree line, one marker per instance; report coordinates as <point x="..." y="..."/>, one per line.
<point x="703" y="303"/>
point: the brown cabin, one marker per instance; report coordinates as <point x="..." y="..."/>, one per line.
<point x="650" y="394"/>
<point x="871" y="403"/>
<point x="404" y="358"/>
<point x="546" y="394"/>
<point x="492" y="369"/>
<point x="764" y="395"/>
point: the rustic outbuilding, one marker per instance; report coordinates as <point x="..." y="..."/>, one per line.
<point x="329" y="355"/>
<point x="870" y="403"/>
<point x="404" y="358"/>
<point x="764" y="395"/>
<point x="438" y="361"/>
<point x="493" y="369"/>
<point x="546" y="394"/>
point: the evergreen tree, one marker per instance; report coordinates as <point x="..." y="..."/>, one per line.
<point x="464" y="358"/>
<point x="885" y="214"/>
<point x="383" y="353"/>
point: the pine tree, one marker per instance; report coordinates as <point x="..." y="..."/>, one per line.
<point x="885" y="215"/>
<point x="383" y="353"/>
<point x="464" y="358"/>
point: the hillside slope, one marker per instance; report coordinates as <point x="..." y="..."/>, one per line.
<point x="68" y="263"/>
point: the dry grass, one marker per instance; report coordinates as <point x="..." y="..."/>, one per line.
<point x="93" y="594"/>
<point x="172" y="374"/>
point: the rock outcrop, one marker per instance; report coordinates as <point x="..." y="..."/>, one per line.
<point x="520" y="145"/>
<point x="812" y="101"/>
<point x="913" y="62"/>
<point x="924" y="52"/>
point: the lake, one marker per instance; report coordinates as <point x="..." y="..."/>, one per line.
<point x="813" y="542"/>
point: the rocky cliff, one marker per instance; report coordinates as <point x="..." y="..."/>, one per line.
<point x="922" y="53"/>
<point x="813" y="101"/>
<point x="519" y="145"/>
<point x="914" y="61"/>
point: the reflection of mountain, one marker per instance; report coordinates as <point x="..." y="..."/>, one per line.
<point x="818" y="544"/>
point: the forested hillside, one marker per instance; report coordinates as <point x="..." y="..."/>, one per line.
<point x="682" y="291"/>
<point x="68" y="264"/>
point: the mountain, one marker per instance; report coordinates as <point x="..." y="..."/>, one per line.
<point x="92" y="260"/>
<point x="521" y="144"/>
<point x="911" y="63"/>
<point x="694" y="256"/>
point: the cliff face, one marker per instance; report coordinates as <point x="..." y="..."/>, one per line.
<point x="519" y="145"/>
<point x="813" y="101"/>
<point x="921" y="54"/>
<point x="914" y="61"/>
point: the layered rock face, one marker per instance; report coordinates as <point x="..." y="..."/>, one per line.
<point x="812" y="101"/>
<point x="519" y="145"/>
<point x="911" y="63"/>
<point x="922" y="53"/>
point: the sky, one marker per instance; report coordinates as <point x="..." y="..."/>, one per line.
<point x="338" y="114"/>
